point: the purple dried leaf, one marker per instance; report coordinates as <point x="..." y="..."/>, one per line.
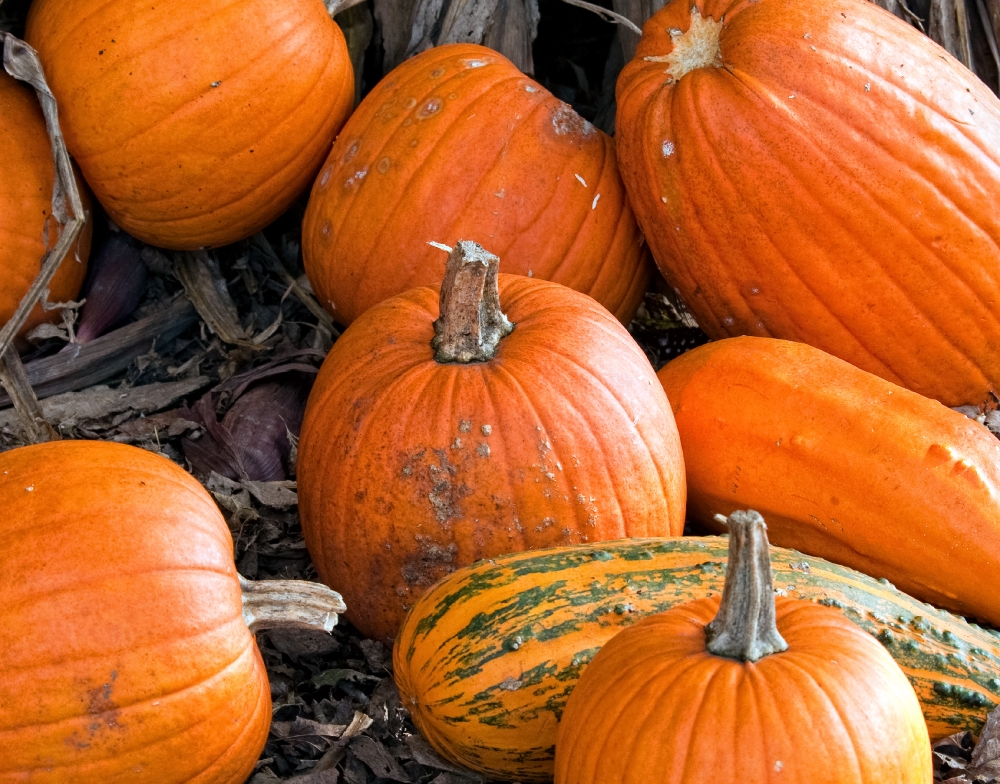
<point x="116" y="281"/>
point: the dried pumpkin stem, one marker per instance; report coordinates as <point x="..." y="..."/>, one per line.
<point x="745" y="628"/>
<point x="290" y="604"/>
<point x="471" y="324"/>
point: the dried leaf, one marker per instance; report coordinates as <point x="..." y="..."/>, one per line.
<point x="80" y="366"/>
<point x="333" y="677"/>
<point x="116" y="281"/>
<point x="206" y="288"/>
<point x="378" y="760"/>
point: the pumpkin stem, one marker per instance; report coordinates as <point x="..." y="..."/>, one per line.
<point x="471" y="324"/>
<point x="745" y="628"/>
<point x="290" y="604"/>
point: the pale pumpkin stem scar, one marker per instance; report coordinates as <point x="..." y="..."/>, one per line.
<point x="699" y="47"/>
<point x="746" y="628"/>
<point x="290" y="604"/>
<point x="471" y="323"/>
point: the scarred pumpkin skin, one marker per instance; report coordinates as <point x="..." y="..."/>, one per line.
<point x="410" y="468"/>
<point x="196" y="124"/>
<point x="655" y="706"/>
<point x="843" y="465"/>
<point x="26" y="177"/>
<point x="456" y="142"/>
<point x="126" y="657"/>
<point x="833" y="182"/>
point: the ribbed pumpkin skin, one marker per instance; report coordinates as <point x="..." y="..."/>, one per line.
<point x="457" y="143"/>
<point x="409" y="469"/>
<point x="488" y="657"/>
<point x="176" y="161"/>
<point x="843" y="465"/>
<point x="126" y="658"/>
<point x="834" y="184"/>
<point x="656" y="706"/>
<point x="26" y="175"/>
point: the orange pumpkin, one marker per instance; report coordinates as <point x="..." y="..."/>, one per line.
<point x="456" y="142"/>
<point x="126" y="654"/>
<point x="26" y="176"/>
<point x="821" y="172"/>
<point x="195" y="124"/>
<point x="417" y="459"/>
<point x="844" y="465"/>
<point x="770" y="691"/>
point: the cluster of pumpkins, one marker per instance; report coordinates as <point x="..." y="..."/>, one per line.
<point x="813" y="171"/>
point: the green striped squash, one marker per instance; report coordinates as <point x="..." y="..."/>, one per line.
<point x="486" y="660"/>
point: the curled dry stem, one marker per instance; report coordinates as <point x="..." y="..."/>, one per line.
<point x="607" y="15"/>
<point x="290" y="604"/>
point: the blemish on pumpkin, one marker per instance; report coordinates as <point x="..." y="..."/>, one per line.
<point x="565" y="122"/>
<point x="667" y="148"/>
<point x="937" y="455"/>
<point x="384" y="165"/>
<point x="351" y="152"/>
<point x="429" y="109"/>
<point x="437" y="73"/>
<point x="486" y="430"/>
<point x="327" y="228"/>
<point x="475" y="63"/>
<point x="325" y="178"/>
<point x="465" y="425"/>
<point x="483" y="450"/>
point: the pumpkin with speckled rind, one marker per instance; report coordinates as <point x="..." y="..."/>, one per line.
<point x="843" y="465"/>
<point x="195" y="124"/>
<point x="125" y="657"/>
<point x="456" y="142"/>
<point x="821" y="172"/>
<point x="410" y="467"/>
<point x="26" y="177"/>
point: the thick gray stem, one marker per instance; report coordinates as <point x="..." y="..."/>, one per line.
<point x="290" y="604"/>
<point x="471" y="324"/>
<point x="745" y="628"/>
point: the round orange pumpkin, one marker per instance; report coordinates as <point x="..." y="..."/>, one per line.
<point x="26" y="177"/>
<point x="417" y="459"/>
<point x="126" y="654"/>
<point x="844" y="465"/>
<point x="772" y="691"/>
<point x="821" y="172"/>
<point x="196" y="124"/>
<point x="456" y="142"/>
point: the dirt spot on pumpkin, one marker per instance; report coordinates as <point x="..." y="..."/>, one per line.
<point x="432" y="561"/>
<point x="566" y="122"/>
<point x="435" y="477"/>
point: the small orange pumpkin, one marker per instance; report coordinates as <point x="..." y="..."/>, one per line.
<point x="429" y="443"/>
<point x="27" y="172"/>
<point x="821" y="172"/>
<point x="127" y="654"/>
<point x="845" y="466"/>
<point x="456" y="142"/>
<point x="772" y="691"/>
<point x="196" y="124"/>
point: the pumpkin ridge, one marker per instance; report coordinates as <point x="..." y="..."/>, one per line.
<point x="628" y="417"/>
<point x="235" y="744"/>
<point x="366" y="272"/>
<point x="905" y="226"/>
<point x="409" y="378"/>
<point x="578" y="237"/>
<point x="595" y="443"/>
<point x="781" y="253"/>
<point x="117" y="574"/>
<point x="191" y="103"/>
<point x="122" y="708"/>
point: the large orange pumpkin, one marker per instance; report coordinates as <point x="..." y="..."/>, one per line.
<point x="126" y="655"/>
<point x="195" y="124"/>
<point x="746" y="688"/>
<point x="456" y="142"/>
<point x="844" y="465"/>
<point x="417" y="459"/>
<point x="822" y="172"/>
<point x="27" y="172"/>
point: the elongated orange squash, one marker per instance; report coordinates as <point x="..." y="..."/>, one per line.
<point x="488" y="657"/>
<point x="820" y="171"/>
<point x="843" y="465"/>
